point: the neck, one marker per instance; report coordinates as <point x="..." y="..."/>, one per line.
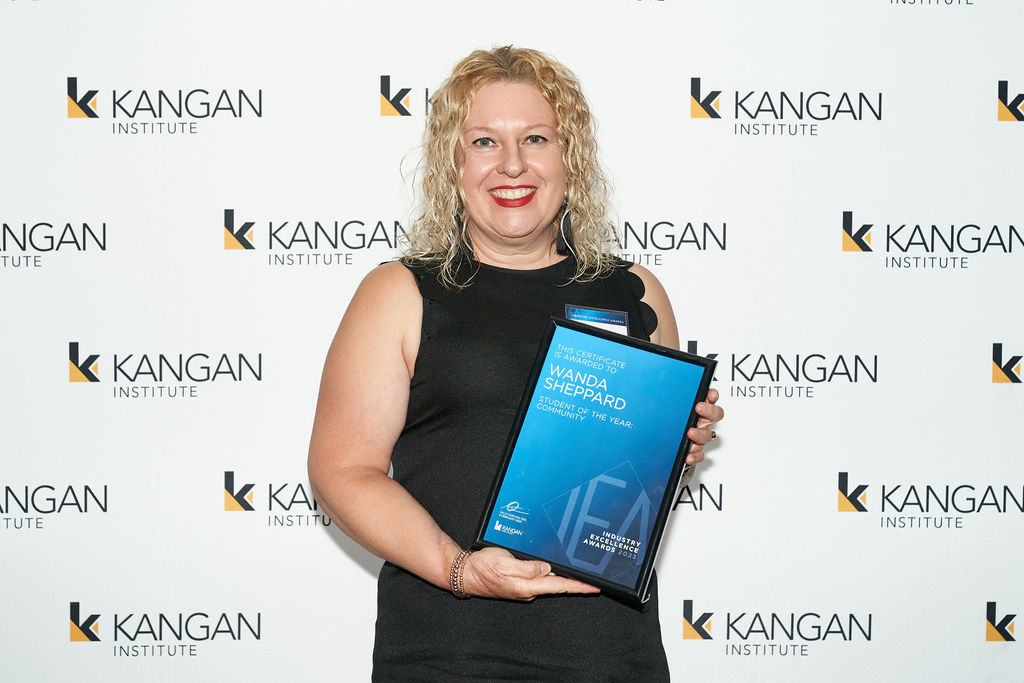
<point x="538" y="252"/>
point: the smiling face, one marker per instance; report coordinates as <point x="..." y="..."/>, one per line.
<point x="513" y="178"/>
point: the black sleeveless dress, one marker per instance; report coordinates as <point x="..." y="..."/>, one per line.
<point x="476" y="351"/>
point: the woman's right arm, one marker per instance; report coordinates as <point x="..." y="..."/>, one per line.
<point x="364" y="392"/>
<point x="360" y="413"/>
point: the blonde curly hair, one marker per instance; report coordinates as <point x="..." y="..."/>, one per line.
<point x="437" y="234"/>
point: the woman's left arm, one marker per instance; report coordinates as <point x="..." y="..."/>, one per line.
<point x="667" y="334"/>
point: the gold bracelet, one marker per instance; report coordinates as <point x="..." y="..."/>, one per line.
<point x="455" y="574"/>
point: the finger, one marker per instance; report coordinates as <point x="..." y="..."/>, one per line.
<point x="700" y="435"/>
<point x="712" y="396"/>
<point x="551" y="584"/>
<point x="709" y="411"/>
<point x="522" y="569"/>
<point x="695" y="455"/>
<point x="533" y="568"/>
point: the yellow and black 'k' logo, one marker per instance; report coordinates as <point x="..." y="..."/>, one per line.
<point x="706" y="107"/>
<point x="1007" y="372"/>
<point x="1009" y="111"/>
<point x="998" y="631"/>
<point x="87" y="631"/>
<point x="237" y="501"/>
<point x="240" y="238"/>
<point x="859" y="240"/>
<point x="397" y="105"/>
<point x="83" y="107"/>
<point x="851" y="501"/>
<point x="82" y="370"/>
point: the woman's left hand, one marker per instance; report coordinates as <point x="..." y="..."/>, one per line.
<point x="702" y="434"/>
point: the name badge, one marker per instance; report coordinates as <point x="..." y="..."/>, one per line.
<point x="613" y="321"/>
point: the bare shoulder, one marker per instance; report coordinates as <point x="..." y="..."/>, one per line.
<point x="656" y="297"/>
<point x="388" y="280"/>
<point x="387" y="310"/>
<point x="385" y="293"/>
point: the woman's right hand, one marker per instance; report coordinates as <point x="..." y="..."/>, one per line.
<point x="495" y="573"/>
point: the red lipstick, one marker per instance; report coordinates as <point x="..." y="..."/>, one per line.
<point x="513" y="196"/>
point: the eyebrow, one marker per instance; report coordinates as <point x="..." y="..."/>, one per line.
<point x="488" y="129"/>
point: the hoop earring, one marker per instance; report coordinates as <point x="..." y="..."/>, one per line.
<point x="563" y="241"/>
<point x="464" y="248"/>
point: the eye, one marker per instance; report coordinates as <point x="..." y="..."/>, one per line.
<point x="536" y="139"/>
<point x="483" y="142"/>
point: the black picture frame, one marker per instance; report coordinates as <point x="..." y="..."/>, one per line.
<point x="559" y="437"/>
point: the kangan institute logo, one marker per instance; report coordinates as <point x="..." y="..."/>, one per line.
<point x="165" y="634"/>
<point x="393" y="105"/>
<point x="851" y="501"/>
<point x="1009" y="110"/>
<point x="83" y="107"/>
<point x="1000" y="631"/>
<point x="310" y="241"/>
<point x="240" y="237"/>
<point x="769" y="112"/>
<point x="240" y="500"/>
<point x="931" y="244"/>
<point x="1005" y="372"/>
<point x="88" y="631"/>
<point x="288" y="504"/>
<point x="857" y="240"/>
<point x="695" y="629"/>
<point x="158" y="111"/>
<point x="703" y="107"/>
<point x="84" y="370"/>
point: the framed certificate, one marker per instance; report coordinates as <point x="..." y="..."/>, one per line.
<point x="594" y="456"/>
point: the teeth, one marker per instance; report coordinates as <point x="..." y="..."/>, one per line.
<point x="517" y="193"/>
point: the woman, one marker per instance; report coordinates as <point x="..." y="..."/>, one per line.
<point x="429" y="364"/>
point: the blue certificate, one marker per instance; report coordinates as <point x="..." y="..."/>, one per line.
<point x="595" y="455"/>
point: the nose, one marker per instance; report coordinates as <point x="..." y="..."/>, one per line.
<point x="512" y="163"/>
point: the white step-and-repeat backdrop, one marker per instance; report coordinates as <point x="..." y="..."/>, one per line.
<point x="190" y="192"/>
